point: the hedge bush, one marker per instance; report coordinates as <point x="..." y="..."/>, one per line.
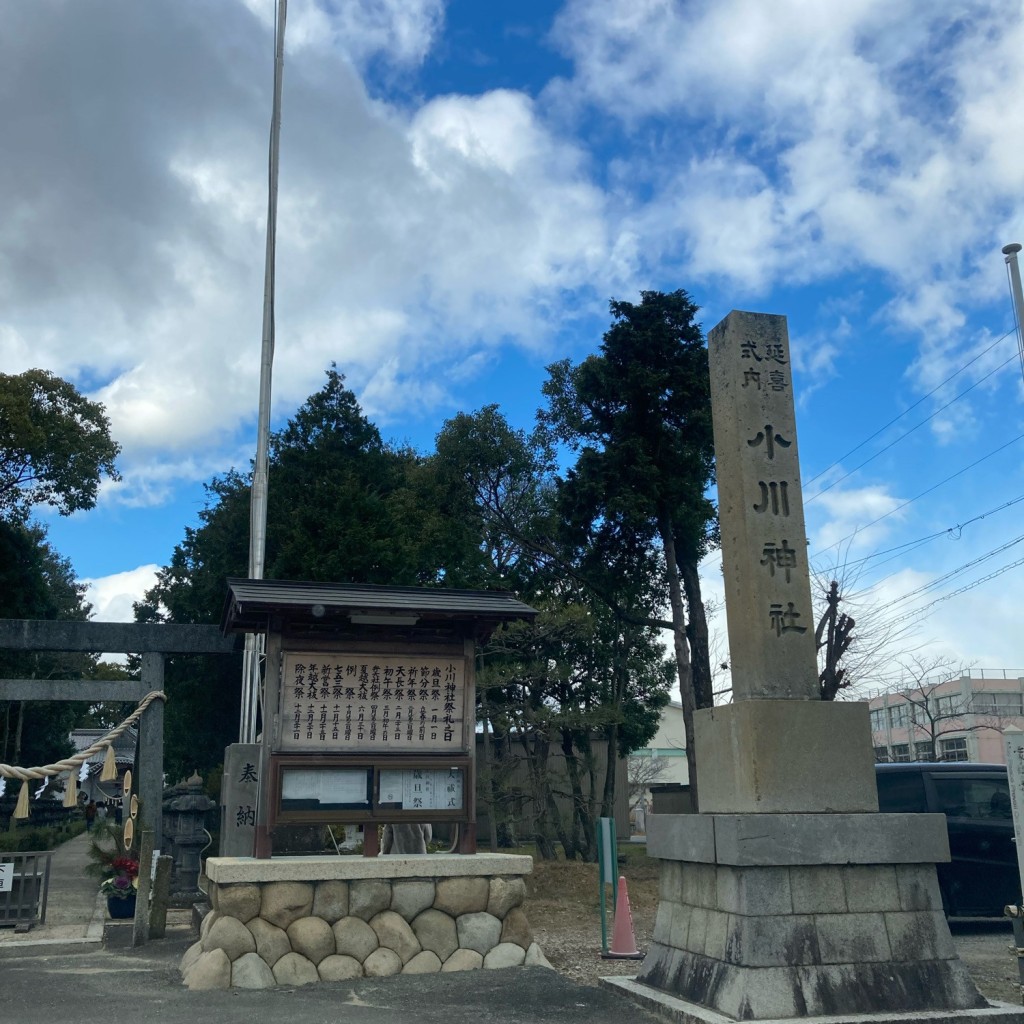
<point x="37" y="837"/>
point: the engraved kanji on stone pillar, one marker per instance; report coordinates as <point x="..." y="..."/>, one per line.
<point x="760" y="508"/>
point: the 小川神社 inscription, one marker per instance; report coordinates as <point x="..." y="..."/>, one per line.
<point x="764" y="547"/>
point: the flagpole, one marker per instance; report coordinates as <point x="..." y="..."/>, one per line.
<point x="258" y="510"/>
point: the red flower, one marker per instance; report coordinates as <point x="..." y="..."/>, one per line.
<point x="125" y="866"/>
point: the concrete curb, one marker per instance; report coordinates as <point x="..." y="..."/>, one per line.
<point x="91" y="942"/>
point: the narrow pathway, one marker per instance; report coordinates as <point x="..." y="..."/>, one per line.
<point x="74" y="911"/>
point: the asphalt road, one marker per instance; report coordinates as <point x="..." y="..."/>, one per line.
<point x="43" y="982"/>
<point x="143" y="986"/>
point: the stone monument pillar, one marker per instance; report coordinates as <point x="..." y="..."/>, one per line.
<point x="788" y="895"/>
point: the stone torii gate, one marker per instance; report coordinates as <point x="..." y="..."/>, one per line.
<point x="154" y="642"/>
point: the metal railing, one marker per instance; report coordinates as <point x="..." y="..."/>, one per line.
<point x="24" y="889"/>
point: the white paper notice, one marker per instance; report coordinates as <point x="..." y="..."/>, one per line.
<point x="325" y="787"/>
<point x="433" y="789"/>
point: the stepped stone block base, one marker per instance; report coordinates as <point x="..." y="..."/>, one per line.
<point x="299" y="920"/>
<point x="769" y="934"/>
<point x="669" y="1007"/>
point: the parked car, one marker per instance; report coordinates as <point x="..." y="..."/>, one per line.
<point x="982" y="876"/>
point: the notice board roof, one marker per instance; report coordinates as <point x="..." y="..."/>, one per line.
<point x="251" y="604"/>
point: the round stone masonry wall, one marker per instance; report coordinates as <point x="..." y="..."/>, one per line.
<point x="299" y="920"/>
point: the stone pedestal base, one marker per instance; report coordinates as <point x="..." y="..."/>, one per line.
<point x="783" y="916"/>
<point x="296" y="920"/>
<point x="772" y="756"/>
<point x="669" y="1007"/>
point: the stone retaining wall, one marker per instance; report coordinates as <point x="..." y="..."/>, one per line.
<point x="261" y="934"/>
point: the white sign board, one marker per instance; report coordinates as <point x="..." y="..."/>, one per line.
<point x="348" y="702"/>
<point x="6" y="876"/>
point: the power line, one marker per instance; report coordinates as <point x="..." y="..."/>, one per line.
<point x="905" y="434"/>
<point x="917" y="612"/>
<point x="953" y="573"/>
<point x="916" y="497"/>
<point x="911" y="544"/>
<point x="911" y="408"/>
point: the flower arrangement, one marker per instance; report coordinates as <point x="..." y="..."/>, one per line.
<point x="124" y="881"/>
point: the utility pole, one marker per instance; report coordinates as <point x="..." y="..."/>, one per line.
<point x="258" y="510"/>
<point x="1013" y="272"/>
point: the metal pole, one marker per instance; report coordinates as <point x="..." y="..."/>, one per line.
<point x="258" y="513"/>
<point x="1010" y="252"/>
<point x="1013" y="746"/>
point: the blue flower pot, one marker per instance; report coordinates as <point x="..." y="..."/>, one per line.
<point x="121" y="908"/>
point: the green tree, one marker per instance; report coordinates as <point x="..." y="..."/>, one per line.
<point x="343" y="507"/>
<point x="55" y="445"/>
<point x="582" y="669"/>
<point x="335" y="477"/>
<point x="638" y="415"/>
<point x="37" y="583"/>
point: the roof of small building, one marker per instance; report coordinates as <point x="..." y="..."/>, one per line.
<point x="124" y="745"/>
<point x="250" y="604"/>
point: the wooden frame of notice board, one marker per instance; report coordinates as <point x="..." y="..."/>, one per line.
<point x="368" y="790"/>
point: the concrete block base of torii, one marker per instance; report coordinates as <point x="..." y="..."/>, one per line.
<point x="827" y="909"/>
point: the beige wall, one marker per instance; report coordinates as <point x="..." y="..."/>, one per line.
<point x="669" y="744"/>
<point x="975" y="729"/>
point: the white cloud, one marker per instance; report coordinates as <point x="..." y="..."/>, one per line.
<point x="845" y="522"/>
<point x="112" y="596"/>
<point x="811" y="138"/>
<point x="401" y="31"/>
<point x="408" y="240"/>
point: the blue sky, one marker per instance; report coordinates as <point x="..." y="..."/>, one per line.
<point x="464" y="186"/>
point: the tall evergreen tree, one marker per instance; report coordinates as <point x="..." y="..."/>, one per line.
<point x="344" y="507"/>
<point x="638" y="416"/>
<point x="583" y="669"/>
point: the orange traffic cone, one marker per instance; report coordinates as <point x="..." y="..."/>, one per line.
<point x="623" y="941"/>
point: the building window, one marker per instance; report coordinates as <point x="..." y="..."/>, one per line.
<point x="881" y="755"/>
<point x="878" y="720"/>
<point x="898" y="715"/>
<point x="923" y="751"/>
<point x="954" y="749"/>
<point x="1011" y="704"/>
<point x="901" y="751"/>
<point x="948" y="707"/>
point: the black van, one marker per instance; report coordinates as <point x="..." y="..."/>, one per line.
<point x="982" y="876"/>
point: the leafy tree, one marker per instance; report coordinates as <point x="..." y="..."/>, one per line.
<point x="55" y="445"/>
<point x="37" y="583"/>
<point x="107" y="714"/>
<point x="204" y="693"/>
<point x="343" y="507"/>
<point x="335" y="477"/>
<point x="638" y="415"/>
<point x="581" y="669"/>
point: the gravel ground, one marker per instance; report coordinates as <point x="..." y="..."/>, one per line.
<point x="986" y="947"/>
<point x="563" y="911"/>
